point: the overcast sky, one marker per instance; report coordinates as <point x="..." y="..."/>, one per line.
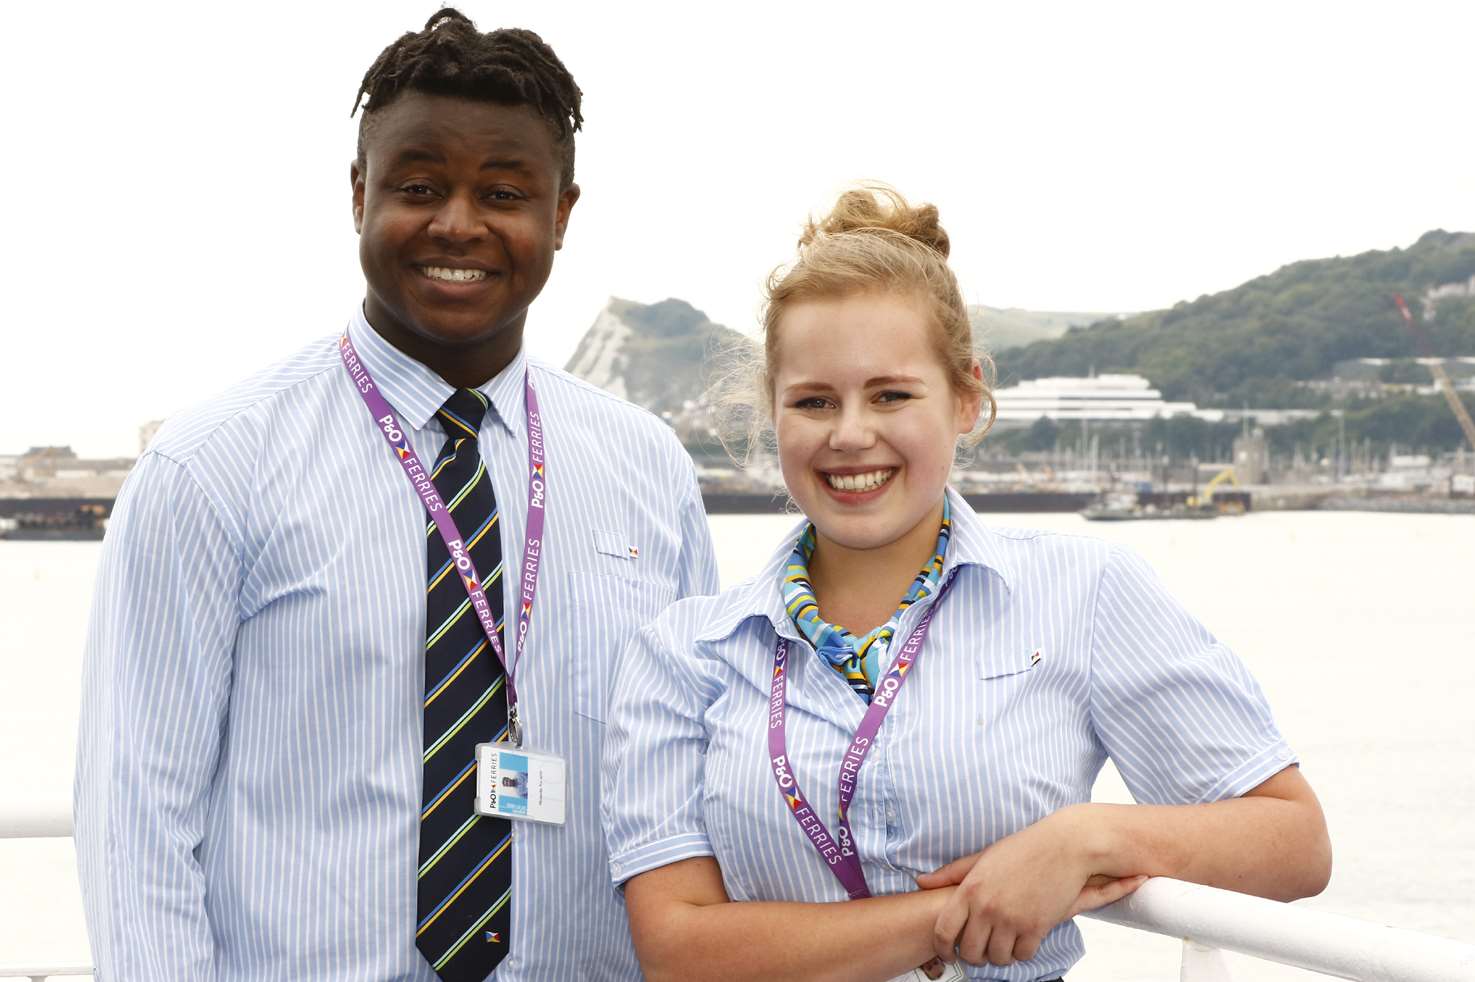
<point x="178" y="207"/>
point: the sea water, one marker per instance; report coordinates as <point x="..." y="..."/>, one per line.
<point x="1360" y="628"/>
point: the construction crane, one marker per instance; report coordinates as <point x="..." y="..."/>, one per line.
<point x="1436" y="368"/>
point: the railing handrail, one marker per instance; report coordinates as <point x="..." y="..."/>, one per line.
<point x="19" y="822"/>
<point x="1342" y="947"/>
<point x="39" y="972"/>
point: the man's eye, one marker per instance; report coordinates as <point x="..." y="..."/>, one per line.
<point x="417" y="189"/>
<point x="504" y="194"/>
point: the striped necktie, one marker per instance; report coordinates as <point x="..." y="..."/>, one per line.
<point x="464" y="894"/>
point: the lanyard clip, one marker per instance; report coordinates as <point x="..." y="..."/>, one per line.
<point x="514" y="728"/>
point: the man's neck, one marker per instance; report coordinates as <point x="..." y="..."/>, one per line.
<point x="465" y="366"/>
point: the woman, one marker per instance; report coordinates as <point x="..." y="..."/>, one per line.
<point x="905" y="710"/>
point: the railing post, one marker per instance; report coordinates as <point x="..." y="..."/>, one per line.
<point x="1203" y="964"/>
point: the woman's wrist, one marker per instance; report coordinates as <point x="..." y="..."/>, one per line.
<point x="1085" y="832"/>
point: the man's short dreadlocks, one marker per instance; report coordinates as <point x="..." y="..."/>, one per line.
<point x="451" y="57"/>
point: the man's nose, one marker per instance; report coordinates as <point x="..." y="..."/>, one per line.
<point x="457" y="220"/>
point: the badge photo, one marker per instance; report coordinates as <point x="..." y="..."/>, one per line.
<point x="520" y="784"/>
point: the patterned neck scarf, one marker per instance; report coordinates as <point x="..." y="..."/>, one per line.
<point x="857" y="659"/>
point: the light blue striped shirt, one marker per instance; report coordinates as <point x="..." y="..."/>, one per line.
<point x="249" y="765"/>
<point x="986" y="738"/>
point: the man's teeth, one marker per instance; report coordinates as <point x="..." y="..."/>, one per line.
<point x="453" y="275"/>
<point x="860" y="482"/>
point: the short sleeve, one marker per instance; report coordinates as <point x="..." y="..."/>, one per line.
<point x="654" y="752"/>
<point x="1182" y="718"/>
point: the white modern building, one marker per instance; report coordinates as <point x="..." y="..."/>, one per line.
<point x="1104" y="398"/>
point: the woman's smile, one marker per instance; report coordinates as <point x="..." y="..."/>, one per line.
<point x="861" y="485"/>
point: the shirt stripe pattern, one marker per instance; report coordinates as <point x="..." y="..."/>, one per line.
<point x="1049" y="654"/>
<point x="248" y="784"/>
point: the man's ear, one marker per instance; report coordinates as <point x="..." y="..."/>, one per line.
<point x="356" y="177"/>
<point x="567" y="198"/>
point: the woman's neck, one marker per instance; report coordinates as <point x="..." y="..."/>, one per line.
<point x="860" y="589"/>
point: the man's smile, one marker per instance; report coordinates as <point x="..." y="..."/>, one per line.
<point x="452" y="274"/>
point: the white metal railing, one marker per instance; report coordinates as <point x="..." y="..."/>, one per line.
<point x="1208" y="921"/>
<point x="1342" y="947"/>
<point x="35" y="823"/>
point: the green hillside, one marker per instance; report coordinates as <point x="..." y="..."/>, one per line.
<point x="1250" y="344"/>
<point x="999" y="328"/>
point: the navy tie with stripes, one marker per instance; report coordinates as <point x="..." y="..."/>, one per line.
<point x="463" y="905"/>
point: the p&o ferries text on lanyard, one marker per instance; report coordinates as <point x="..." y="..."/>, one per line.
<point x="394" y="435"/>
<point x="838" y="851"/>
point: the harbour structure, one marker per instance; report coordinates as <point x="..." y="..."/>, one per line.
<point x="1097" y="398"/>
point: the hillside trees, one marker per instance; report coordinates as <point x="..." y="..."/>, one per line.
<point x="1293" y="324"/>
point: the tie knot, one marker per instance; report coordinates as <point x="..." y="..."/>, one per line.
<point x="463" y="412"/>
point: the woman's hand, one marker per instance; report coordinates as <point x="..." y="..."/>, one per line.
<point x="1014" y="892"/>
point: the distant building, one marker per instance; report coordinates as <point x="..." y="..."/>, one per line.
<point x="42" y="463"/>
<point x="1251" y="457"/>
<point x="146" y="433"/>
<point x="1434" y="294"/>
<point x="1104" y="398"/>
<point x="59" y="472"/>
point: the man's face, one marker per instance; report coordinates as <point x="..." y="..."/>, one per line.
<point x="459" y="211"/>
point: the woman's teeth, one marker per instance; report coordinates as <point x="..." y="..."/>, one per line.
<point x="453" y="275"/>
<point x="860" y="482"/>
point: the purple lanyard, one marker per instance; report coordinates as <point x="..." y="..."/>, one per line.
<point x="840" y="855"/>
<point x="838" y="851"/>
<point x="394" y="434"/>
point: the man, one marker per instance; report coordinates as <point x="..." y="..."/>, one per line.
<point x="298" y="638"/>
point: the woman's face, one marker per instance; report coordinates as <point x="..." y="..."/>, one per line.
<point x="867" y="420"/>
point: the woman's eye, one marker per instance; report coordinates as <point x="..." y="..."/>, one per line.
<point x="813" y="402"/>
<point x="891" y="395"/>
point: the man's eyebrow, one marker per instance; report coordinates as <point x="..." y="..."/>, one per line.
<point x="418" y="155"/>
<point x="505" y="163"/>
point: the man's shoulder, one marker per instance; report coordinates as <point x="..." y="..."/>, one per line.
<point x="595" y="409"/>
<point x="242" y="409"/>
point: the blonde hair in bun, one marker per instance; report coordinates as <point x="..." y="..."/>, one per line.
<point x="873" y="241"/>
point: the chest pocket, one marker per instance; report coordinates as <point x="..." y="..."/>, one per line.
<point x="605" y="610"/>
<point x="998" y="663"/>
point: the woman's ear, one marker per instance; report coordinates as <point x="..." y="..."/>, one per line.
<point x="970" y="403"/>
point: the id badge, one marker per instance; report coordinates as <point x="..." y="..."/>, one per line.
<point x="521" y="784"/>
<point x="934" y="971"/>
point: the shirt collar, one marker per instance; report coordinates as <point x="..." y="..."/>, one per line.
<point x="973" y="544"/>
<point x="416" y="391"/>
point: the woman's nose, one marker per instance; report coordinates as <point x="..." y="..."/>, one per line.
<point x="852" y="430"/>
